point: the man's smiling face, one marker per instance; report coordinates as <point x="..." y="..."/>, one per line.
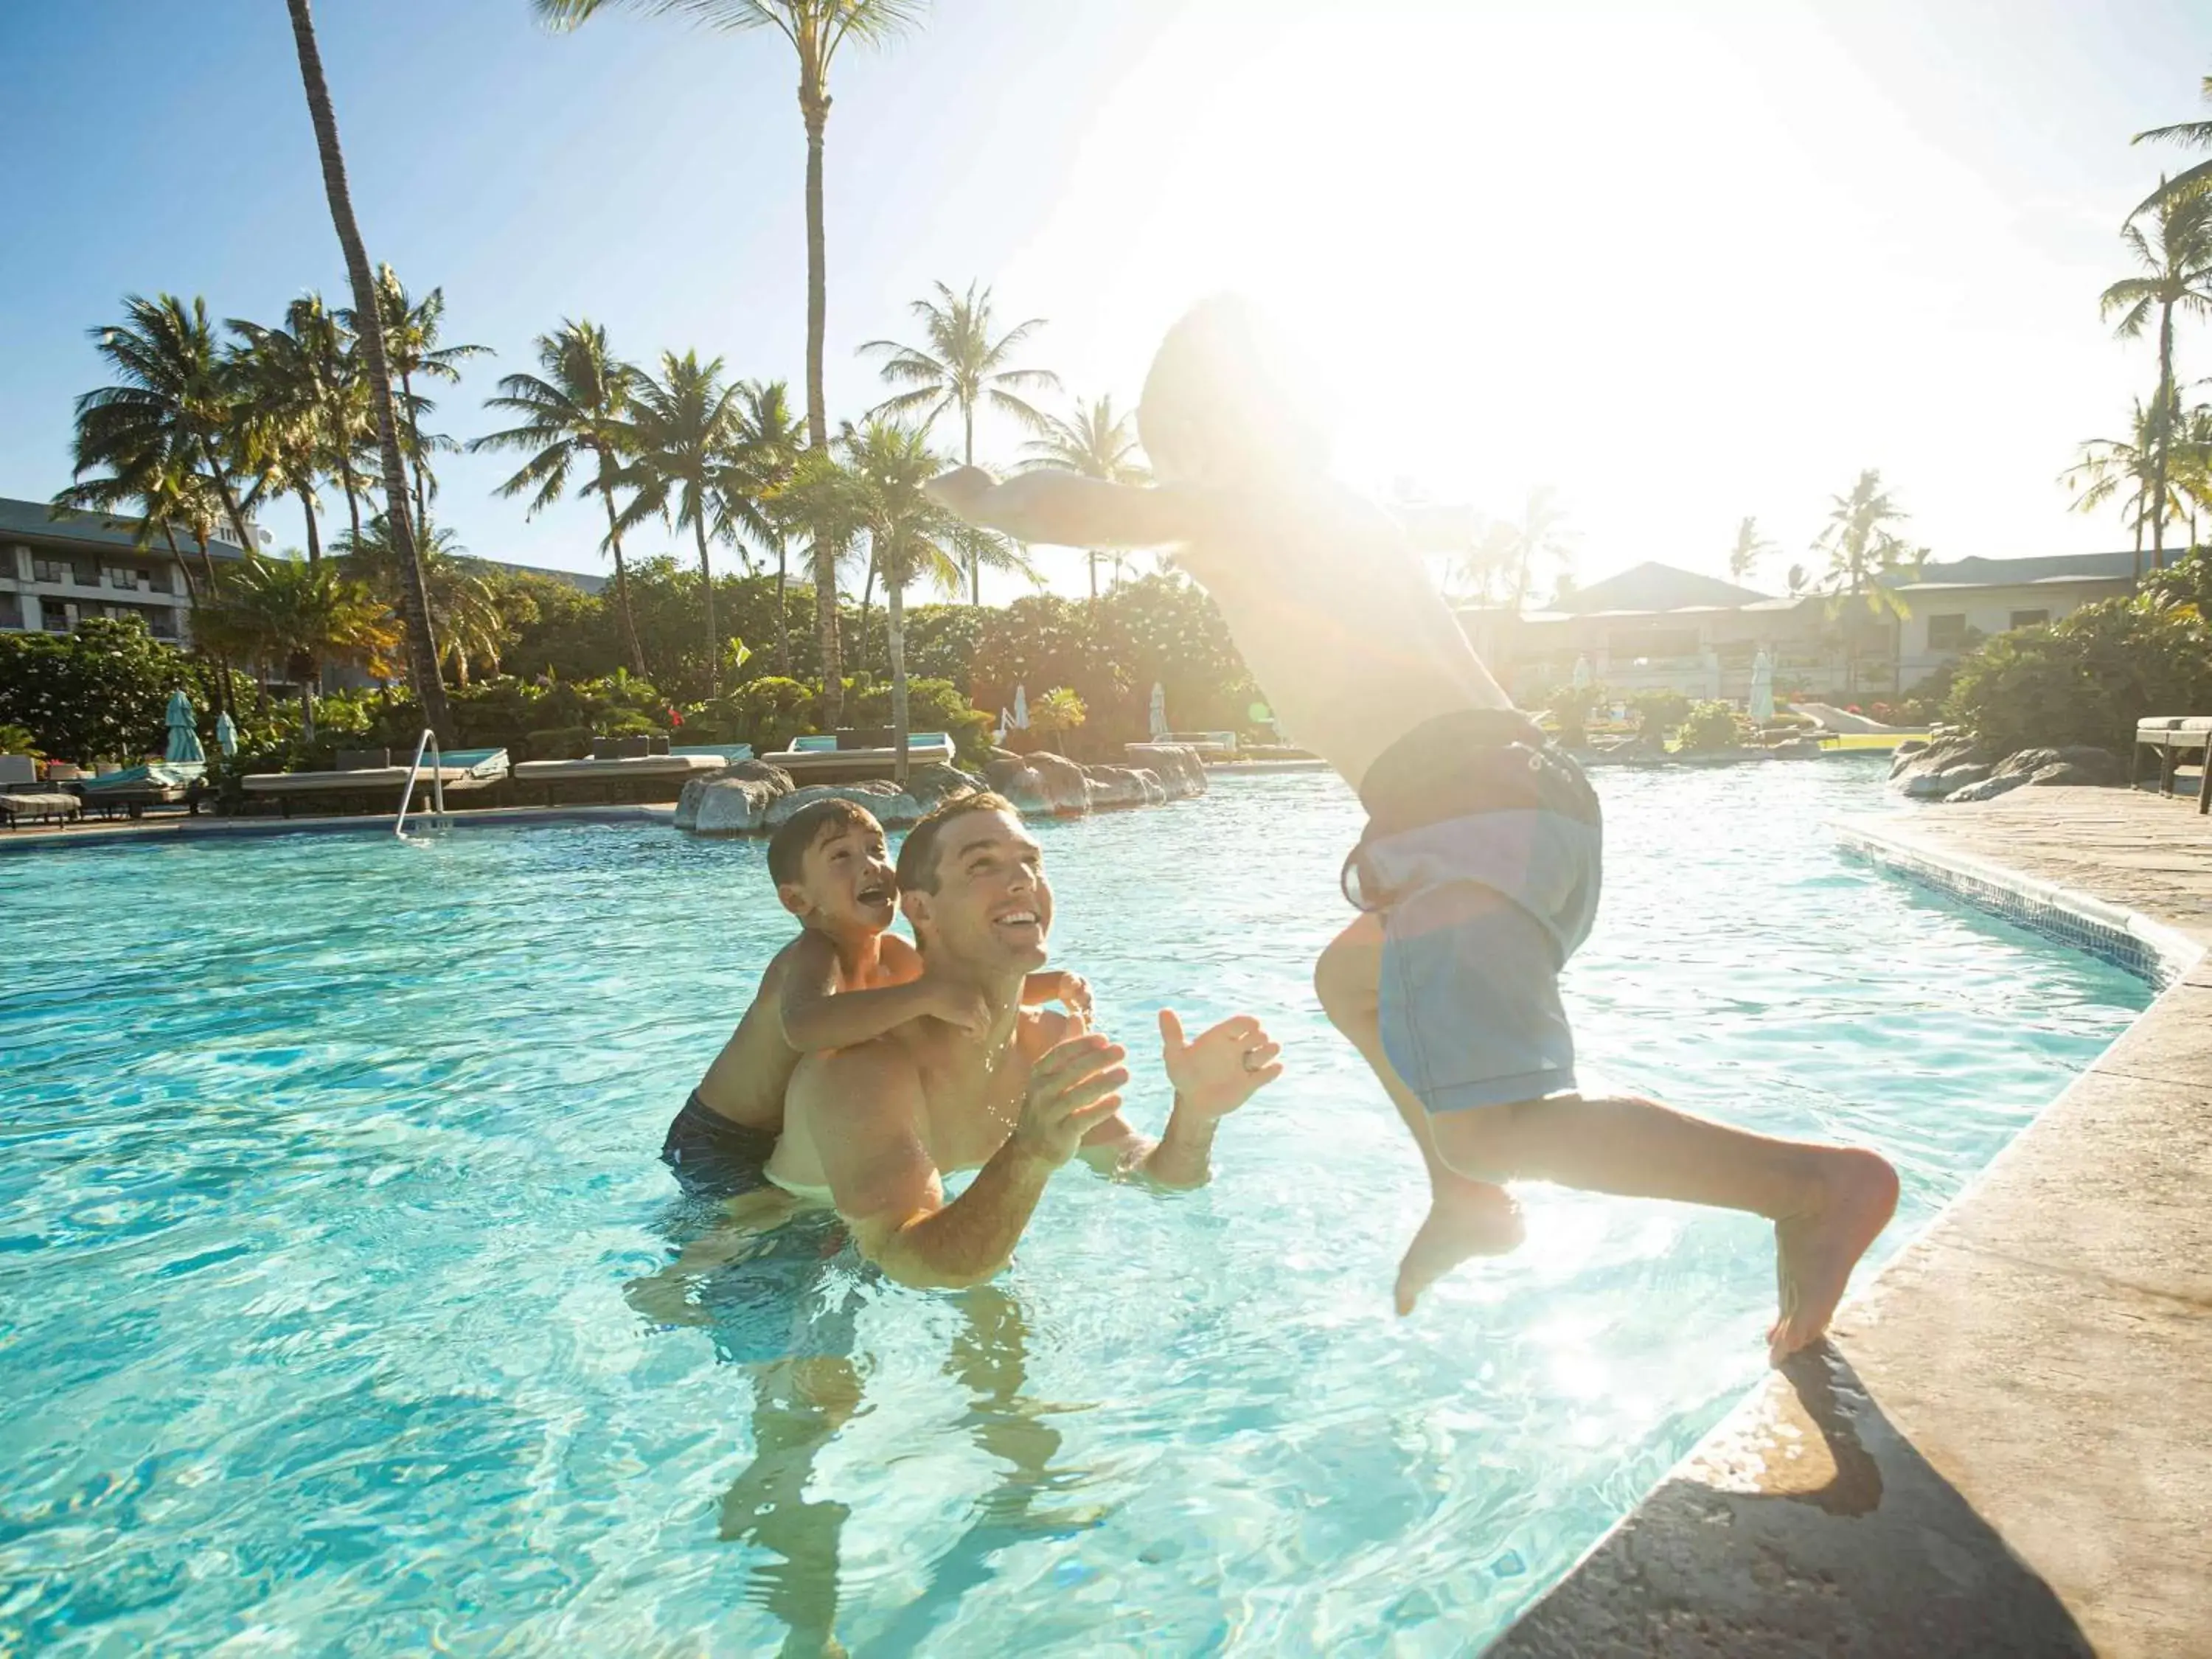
<point x="991" y="907"/>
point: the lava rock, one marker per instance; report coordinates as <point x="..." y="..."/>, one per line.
<point x="1122" y="786"/>
<point x="1989" y="788"/>
<point x="1182" y="773"/>
<point x="893" y="807"/>
<point x="1938" y="756"/>
<point x="1940" y="786"/>
<point x="1066" y="790"/>
<point x="1014" y="778"/>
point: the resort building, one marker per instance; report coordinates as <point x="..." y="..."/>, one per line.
<point x="55" y="572"/>
<point x="1656" y="628"/>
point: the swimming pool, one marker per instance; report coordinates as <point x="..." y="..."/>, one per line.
<point x="329" y="1163"/>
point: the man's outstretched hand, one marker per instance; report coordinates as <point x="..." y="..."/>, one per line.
<point x="1223" y="1068"/>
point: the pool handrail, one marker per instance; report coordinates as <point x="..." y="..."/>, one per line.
<point x="428" y="738"/>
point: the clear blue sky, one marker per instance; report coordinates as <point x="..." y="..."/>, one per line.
<point x="1680" y="264"/>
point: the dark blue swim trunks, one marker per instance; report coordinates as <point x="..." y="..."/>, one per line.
<point x="1464" y="812"/>
<point x="713" y="1157"/>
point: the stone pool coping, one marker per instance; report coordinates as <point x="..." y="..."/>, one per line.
<point x="127" y="831"/>
<point x="2002" y="1449"/>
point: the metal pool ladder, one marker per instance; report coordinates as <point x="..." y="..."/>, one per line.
<point x="427" y="740"/>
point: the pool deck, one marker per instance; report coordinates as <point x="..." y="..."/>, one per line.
<point x="2004" y="1448"/>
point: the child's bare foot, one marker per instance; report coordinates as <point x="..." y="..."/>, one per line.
<point x="1815" y="1252"/>
<point x="1466" y="1219"/>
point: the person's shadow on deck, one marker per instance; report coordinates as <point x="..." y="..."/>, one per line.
<point x="1856" y="1548"/>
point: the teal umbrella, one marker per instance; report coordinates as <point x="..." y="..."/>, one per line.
<point x="183" y="740"/>
<point x="226" y="733"/>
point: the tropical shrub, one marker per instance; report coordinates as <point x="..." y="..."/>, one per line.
<point x="933" y="705"/>
<point x="1658" y="713"/>
<point x="18" y="740"/>
<point x="558" y="743"/>
<point x="101" y="693"/>
<point x="1710" y="726"/>
<point x="1569" y="707"/>
<point x="2087" y="678"/>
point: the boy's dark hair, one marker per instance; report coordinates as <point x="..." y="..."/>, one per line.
<point x="917" y="859"/>
<point x="787" y="848"/>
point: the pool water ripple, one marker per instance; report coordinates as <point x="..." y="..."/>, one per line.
<point x="328" y="1170"/>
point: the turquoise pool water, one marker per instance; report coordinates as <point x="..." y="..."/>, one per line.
<point x="328" y="1161"/>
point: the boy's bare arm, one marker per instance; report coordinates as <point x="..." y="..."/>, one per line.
<point x="1063" y="510"/>
<point x="818" y="1016"/>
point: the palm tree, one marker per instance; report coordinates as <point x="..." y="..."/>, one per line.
<point x="754" y="496"/>
<point x="175" y="401"/>
<point x="816" y="30"/>
<point x="1750" y="548"/>
<point x="2189" y="181"/>
<point x="2177" y="277"/>
<point x="472" y="631"/>
<point x="1094" y="442"/>
<point x="910" y="538"/>
<point x="1864" y="554"/>
<point x="421" y="645"/>
<point x="1540" y="534"/>
<point x="573" y="409"/>
<point x="2107" y="466"/>
<point x="411" y="348"/>
<point x="961" y="366"/>
<point x="285" y="410"/>
<point x="298" y="617"/>
<point x="681" y="434"/>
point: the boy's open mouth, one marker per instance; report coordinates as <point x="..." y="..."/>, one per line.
<point x="875" y="893"/>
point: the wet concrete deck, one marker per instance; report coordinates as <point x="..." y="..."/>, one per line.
<point x="2005" y="1449"/>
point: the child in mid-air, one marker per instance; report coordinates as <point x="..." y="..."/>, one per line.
<point x="1477" y="873"/>
<point x="845" y="980"/>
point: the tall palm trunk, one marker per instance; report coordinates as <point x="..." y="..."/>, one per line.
<point x="415" y="426"/>
<point x="314" y="536"/>
<point x="230" y="506"/>
<point x="782" y="611"/>
<point x="814" y="111"/>
<point x="622" y="585"/>
<point x="713" y="637"/>
<point x="867" y="598"/>
<point x="975" y="559"/>
<point x="2163" y="431"/>
<point x="895" y="637"/>
<point x="193" y="612"/>
<point x="422" y="648"/>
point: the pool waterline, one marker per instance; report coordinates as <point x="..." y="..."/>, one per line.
<point x="374" y="1262"/>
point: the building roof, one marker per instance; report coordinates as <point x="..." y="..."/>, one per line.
<point x="2022" y="573"/>
<point x="1651" y="586"/>
<point x="583" y="581"/>
<point x="36" y="521"/>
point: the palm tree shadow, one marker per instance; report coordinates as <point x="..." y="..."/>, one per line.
<point x="1814" y="1528"/>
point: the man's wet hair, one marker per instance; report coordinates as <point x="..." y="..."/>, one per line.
<point x="917" y="859"/>
<point x="810" y="824"/>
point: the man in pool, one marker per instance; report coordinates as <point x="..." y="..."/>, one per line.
<point x="846" y="979"/>
<point x="1477" y="874"/>
<point x="872" y="1129"/>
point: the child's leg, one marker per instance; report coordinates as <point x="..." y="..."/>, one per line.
<point x="1467" y="1218"/>
<point x="1827" y="1203"/>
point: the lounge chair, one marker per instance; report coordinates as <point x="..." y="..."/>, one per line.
<point x="856" y="755"/>
<point x="372" y="782"/>
<point x="132" y="789"/>
<point x="2174" y="737"/>
<point x="638" y="777"/>
<point x="22" y="798"/>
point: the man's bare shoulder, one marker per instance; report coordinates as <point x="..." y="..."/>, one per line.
<point x="863" y="1068"/>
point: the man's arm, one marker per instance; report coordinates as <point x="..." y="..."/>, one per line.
<point x="1213" y="1077"/>
<point x="1065" y="510"/>
<point x="818" y="1017"/>
<point x="867" y="1105"/>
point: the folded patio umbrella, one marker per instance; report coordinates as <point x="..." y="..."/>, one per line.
<point x="184" y="738"/>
